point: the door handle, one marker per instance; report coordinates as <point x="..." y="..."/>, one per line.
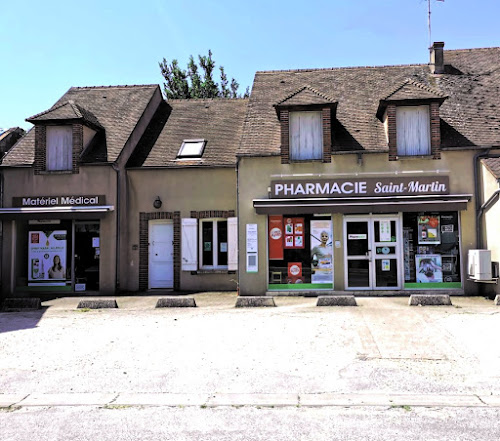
<point x="369" y="254"/>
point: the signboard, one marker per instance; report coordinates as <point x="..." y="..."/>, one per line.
<point x="321" y="251"/>
<point x="58" y="201"/>
<point x="338" y="188"/>
<point x="47" y="257"/>
<point x="294" y="272"/>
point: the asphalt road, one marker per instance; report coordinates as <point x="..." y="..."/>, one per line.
<point x="382" y="370"/>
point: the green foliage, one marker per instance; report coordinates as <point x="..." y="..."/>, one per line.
<point x="190" y="83"/>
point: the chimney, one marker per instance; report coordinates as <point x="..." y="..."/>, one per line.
<point x="437" y="57"/>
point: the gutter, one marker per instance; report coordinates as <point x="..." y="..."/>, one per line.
<point x="118" y="218"/>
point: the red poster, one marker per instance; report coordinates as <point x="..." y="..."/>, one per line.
<point x="294" y="272"/>
<point x="276" y="238"/>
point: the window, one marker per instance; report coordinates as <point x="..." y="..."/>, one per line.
<point x="413" y="130"/>
<point x="306" y="136"/>
<point x="213" y="244"/>
<point x="59" y="154"/>
<point x="191" y="148"/>
<point x="209" y="244"/>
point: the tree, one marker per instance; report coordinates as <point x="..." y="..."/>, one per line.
<point x="190" y="83"/>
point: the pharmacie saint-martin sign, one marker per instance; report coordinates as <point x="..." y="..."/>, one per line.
<point x="58" y="201"/>
<point x="336" y="188"/>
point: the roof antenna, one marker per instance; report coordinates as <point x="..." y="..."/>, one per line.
<point x="429" y="19"/>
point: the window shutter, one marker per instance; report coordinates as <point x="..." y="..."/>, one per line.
<point x="189" y="241"/>
<point x="306" y="136"/>
<point x="413" y="130"/>
<point x="232" y="243"/>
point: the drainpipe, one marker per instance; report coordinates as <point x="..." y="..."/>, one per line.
<point x="118" y="217"/>
<point x="480" y="209"/>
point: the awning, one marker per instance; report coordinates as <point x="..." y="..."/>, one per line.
<point x="388" y="204"/>
<point x="64" y="212"/>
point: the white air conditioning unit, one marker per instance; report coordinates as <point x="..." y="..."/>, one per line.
<point x="480" y="264"/>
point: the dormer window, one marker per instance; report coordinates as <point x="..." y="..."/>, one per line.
<point x="306" y="125"/>
<point x="306" y="136"/>
<point x="410" y="114"/>
<point x="413" y="131"/>
<point x="59" y="155"/>
<point x="191" y="149"/>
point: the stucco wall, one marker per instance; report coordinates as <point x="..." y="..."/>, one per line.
<point x="183" y="190"/>
<point x="255" y="175"/>
<point x="491" y="230"/>
<point x="91" y="180"/>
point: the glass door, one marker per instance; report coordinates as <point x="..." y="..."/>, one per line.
<point x="372" y="252"/>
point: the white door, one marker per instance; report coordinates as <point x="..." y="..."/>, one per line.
<point x="161" y="254"/>
<point x="373" y="256"/>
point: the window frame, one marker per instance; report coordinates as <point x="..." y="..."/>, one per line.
<point x="403" y="151"/>
<point x="317" y="152"/>
<point x="54" y="151"/>
<point x="185" y="143"/>
<point x="215" y="240"/>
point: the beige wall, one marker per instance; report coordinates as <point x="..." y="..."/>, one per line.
<point x="491" y="230"/>
<point x="91" y="180"/>
<point x="183" y="190"/>
<point x="255" y="175"/>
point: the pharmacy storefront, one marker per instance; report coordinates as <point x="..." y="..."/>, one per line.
<point x="363" y="234"/>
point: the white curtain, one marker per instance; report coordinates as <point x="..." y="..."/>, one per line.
<point x="306" y="136"/>
<point x="413" y="130"/>
<point x="59" y="148"/>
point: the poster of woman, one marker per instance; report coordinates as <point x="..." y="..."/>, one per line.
<point x="321" y="251"/>
<point x="47" y="258"/>
<point x="429" y="268"/>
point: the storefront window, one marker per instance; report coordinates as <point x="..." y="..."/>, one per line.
<point x="431" y="250"/>
<point x="300" y="252"/>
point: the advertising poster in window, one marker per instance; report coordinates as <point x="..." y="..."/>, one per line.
<point x="428" y="229"/>
<point x="429" y="268"/>
<point x="321" y="251"/>
<point x="47" y="258"/>
<point x="276" y="236"/>
<point x="294" y="232"/>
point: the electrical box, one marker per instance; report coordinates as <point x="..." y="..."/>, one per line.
<point x="480" y="265"/>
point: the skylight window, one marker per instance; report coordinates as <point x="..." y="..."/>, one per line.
<point x="191" y="148"/>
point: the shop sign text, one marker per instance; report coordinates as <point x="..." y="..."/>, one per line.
<point x="331" y="188"/>
<point x="58" y="201"/>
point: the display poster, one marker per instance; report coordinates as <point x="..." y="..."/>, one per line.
<point x="294" y="272"/>
<point x="321" y="251"/>
<point x="294" y="232"/>
<point x="385" y="230"/>
<point x="47" y="258"/>
<point x="429" y="268"/>
<point x="428" y="229"/>
<point x="252" y="248"/>
<point x="276" y="237"/>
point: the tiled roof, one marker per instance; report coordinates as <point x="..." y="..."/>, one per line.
<point x="412" y="90"/>
<point x="116" y="108"/>
<point x="218" y="121"/>
<point x="493" y="165"/>
<point x="66" y="111"/>
<point x="305" y="96"/>
<point x="469" y="117"/>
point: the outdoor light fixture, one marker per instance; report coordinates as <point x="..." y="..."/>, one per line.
<point x="157" y="203"/>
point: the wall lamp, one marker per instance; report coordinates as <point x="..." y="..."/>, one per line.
<point x="157" y="202"/>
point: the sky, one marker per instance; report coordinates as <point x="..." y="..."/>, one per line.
<point x="49" y="46"/>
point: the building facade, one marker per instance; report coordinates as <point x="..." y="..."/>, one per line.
<point x="365" y="179"/>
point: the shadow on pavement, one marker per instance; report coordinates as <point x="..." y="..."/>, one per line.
<point x="19" y="320"/>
